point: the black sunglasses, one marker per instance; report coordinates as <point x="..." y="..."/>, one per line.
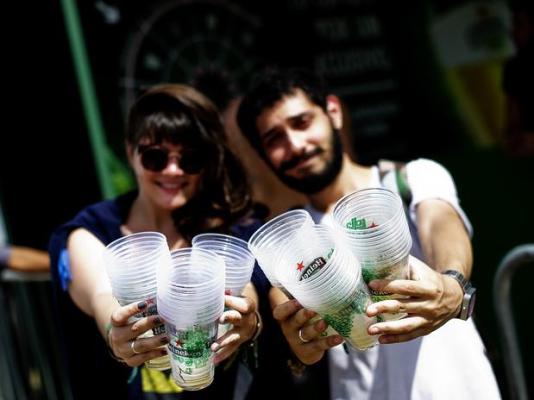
<point x="155" y="159"/>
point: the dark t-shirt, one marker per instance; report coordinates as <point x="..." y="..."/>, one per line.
<point x="93" y="373"/>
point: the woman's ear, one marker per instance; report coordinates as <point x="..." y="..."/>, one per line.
<point x="334" y="110"/>
<point x="130" y="149"/>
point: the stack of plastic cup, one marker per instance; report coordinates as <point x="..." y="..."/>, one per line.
<point x="374" y="225"/>
<point x="267" y="241"/>
<point x="324" y="276"/>
<point x="238" y="260"/>
<point x="132" y="263"/>
<point x="191" y="301"/>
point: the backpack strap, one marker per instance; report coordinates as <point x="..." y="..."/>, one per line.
<point x="399" y="168"/>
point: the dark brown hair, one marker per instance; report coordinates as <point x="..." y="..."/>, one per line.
<point x="271" y="85"/>
<point x="181" y="115"/>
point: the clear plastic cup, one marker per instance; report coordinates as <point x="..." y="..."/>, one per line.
<point x="328" y="281"/>
<point x="239" y="261"/>
<point x="191" y="301"/>
<point x="374" y="225"/>
<point x="191" y="356"/>
<point x="266" y="241"/>
<point x="131" y="263"/>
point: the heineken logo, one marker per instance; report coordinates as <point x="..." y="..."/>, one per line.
<point x="359" y="223"/>
<point x="311" y="268"/>
<point x="180" y="351"/>
<point x="192" y="343"/>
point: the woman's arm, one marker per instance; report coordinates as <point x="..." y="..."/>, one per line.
<point x="91" y="292"/>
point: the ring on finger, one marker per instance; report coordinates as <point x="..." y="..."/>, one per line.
<point x="301" y="338"/>
<point x="132" y="346"/>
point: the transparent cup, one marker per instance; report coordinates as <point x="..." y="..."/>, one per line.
<point x="266" y="241"/>
<point x="131" y="263"/>
<point x="191" y="356"/>
<point x="191" y="301"/>
<point x="324" y="276"/>
<point x="374" y="225"/>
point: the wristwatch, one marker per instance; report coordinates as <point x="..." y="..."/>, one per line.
<point x="468" y="302"/>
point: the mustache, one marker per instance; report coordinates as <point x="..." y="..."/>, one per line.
<point x="293" y="162"/>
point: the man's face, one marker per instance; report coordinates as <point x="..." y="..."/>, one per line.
<point x="301" y="142"/>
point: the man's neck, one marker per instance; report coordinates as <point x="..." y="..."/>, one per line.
<point x="351" y="177"/>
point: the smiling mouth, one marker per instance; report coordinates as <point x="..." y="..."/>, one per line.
<point x="171" y="186"/>
<point x="301" y="161"/>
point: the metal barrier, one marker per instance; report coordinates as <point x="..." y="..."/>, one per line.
<point x="514" y="259"/>
<point x="30" y="363"/>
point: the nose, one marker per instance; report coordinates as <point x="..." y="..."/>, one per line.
<point x="173" y="165"/>
<point x="295" y="141"/>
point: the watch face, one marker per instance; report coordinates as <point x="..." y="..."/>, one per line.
<point x="471" y="306"/>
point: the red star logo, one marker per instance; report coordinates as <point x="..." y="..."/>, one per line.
<point x="300" y="265"/>
<point x="373" y="225"/>
<point x="228" y="292"/>
<point x="178" y="342"/>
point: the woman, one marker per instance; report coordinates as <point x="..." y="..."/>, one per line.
<point x="188" y="182"/>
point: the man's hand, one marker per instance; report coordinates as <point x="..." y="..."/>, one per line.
<point x="308" y="346"/>
<point x="432" y="300"/>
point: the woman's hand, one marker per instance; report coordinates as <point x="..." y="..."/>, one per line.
<point x="123" y="337"/>
<point x="304" y="337"/>
<point x="433" y="299"/>
<point x="242" y="315"/>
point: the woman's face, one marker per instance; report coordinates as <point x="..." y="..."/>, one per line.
<point x="168" y="175"/>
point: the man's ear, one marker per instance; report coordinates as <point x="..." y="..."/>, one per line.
<point x="334" y="110"/>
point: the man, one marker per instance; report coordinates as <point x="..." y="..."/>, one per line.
<point x="294" y="125"/>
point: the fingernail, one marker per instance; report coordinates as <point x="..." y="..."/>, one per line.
<point x="215" y="347"/>
<point x="371" y="310"/>
<point x="373" y="330"/>
<point x="385" y="339"/>
<point x="338" y="340"/>
<point x="373" y="284"/>
<point x="164" y="340"/>
<point x="141" y="305"/>
<point x="310" y="313"/>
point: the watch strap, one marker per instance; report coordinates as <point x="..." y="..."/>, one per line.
<point x="466" y="307"/>
<point x="460" y="278"/>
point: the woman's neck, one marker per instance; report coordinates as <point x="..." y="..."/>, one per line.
<point x="143" y="217"/>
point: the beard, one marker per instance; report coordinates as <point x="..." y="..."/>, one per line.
<point x="315" y="182"/>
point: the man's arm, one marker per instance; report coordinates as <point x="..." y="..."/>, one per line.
<point x="434" y="298"/>
<point x="444" y="238"/>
